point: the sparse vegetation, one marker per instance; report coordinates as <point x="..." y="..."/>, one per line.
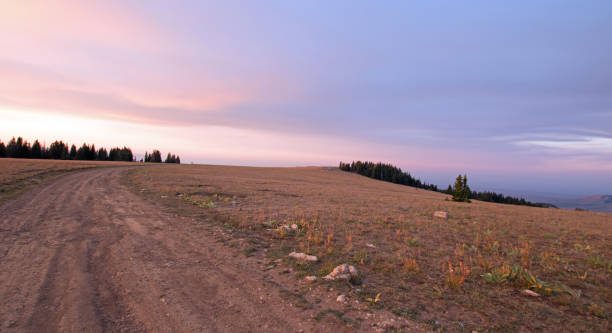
<point x="476" y="262"/>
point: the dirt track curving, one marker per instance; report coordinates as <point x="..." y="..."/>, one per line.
<point x="84" y="254"/>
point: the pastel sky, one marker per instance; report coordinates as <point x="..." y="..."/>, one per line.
<point x="517" y="94"/>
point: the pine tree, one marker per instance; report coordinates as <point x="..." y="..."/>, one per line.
<point x="466" y="190"/>
<point x="458" y="189"/>
<point x="2" y="149"/>
<point x="83" y="153"/>
<point x="56" y="150"/>
<point x="73" y="153"/>
<point x="102" y="154"/>
<point x="93" y="154"/>
<point x="127" y="155"/>
<point x="156" y="156"/>
<point x="114" y="154"/>
<point x="36" y="151"/>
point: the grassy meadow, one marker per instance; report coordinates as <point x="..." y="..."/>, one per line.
<point x="467" y="272"/>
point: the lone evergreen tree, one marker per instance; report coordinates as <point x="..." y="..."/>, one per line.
<point x="461" y="190"/>
<point x="458" y="189"/>
<point x="466" y="189"/>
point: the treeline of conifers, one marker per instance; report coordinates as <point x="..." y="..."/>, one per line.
<point x="386" y="172"/>
<point x="390" y="173"/>
<point x="59" y="150"/>
<point x="500" y="198"/>
<point x="155" y="157"/>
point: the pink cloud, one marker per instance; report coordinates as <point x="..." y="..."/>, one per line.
<point x="23" y="23"/>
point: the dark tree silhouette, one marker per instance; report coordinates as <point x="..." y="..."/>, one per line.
<point x="83" y="153"/>
<point x="171" y="158"/>
<point x="102" y="154"/>
<point x="93" y="154"/>
<point x="500" y="198"/>
<point x="154" y="157"/>
<point x="126" y="154"/>
<point x="2" y="149"/>
<point x="58" y="150"/>
<point x="36" y="150"/>
<point x="461" y="192"/>
<point x="73" y="152"/>
<point x="20" y="148"/>
<point x="386" y="172"/>
<point x="114" y="154"/>
<point x="121" y="154"/>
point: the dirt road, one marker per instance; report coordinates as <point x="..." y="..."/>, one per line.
<point x="84" y="254"/>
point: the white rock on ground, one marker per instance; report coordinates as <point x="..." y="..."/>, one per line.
<point x="302" y="256"/>
<point x="441" y="214"/>
<point x="371" y="245"/>
<point x="341" y="299"/>
<point x="311" y="278"/>
<point x="528" y="292"/>
<point x="342" y="272"/>
<point x="294" y="226"/>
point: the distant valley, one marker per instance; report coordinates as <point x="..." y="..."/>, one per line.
<point x="596" y="203"/>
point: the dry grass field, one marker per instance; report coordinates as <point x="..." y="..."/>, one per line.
<point x="18" y="175"/>
<point x="463" y="273"/>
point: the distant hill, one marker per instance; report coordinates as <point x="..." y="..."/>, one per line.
<point x="597" y="203"/>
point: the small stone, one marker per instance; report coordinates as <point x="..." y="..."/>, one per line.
<point x="311" y="278"/>
<point x="528" y="292"/>
<point x="342" y="272"/>
<point x="341" y="299"/>
<point x="302" y="256"/>
<point x="441" y="214"/>
<point x="294" y="226"/>
<point x="370" y="245"/>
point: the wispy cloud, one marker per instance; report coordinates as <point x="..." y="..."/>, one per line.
<point x="573" y="145"/>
